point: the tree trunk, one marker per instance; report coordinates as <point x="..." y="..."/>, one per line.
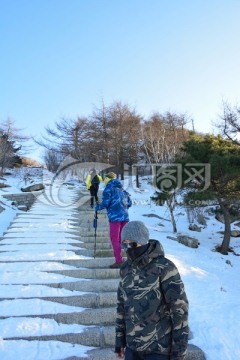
<point x="171" y="206"/>
<point x="173" y="221"/>
<point x="137" y="177"/>
<point x="227" y="229"/>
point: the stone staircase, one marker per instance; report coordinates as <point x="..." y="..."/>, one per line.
<point x="54" y="275"/>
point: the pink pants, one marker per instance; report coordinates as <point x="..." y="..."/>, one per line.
<point x="115" y="237"/>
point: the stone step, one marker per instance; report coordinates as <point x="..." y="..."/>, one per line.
<point x="61" y="252"/>
<point x="19" y="243"/>
<point x="90" y="316"/>
<point x="7" y="240"/>
<point x="95" y="285"/>
<point x="101" y="217"/>
<point x="96" y="354"/>
<point x="193" y="353"/>
<point x="90" y="253"/>
<point x="96" y="336"/>
<point x="86" y="221"/>
<point x="91" y="232"/>
<point x="95" y="263"/>
<point x="42" y="245"/>
<point x="42" y="232"/>
<point x="101" y="337"/>
<point x="41" y="238"/>
<point x="89" y="273"/>
<point x="91" y="239"/>
<point x="90" y="300"/>
<point x="104" y="245"/>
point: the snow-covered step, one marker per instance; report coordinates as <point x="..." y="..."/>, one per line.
<point x="47" y="276"/>
<point x="37" y="307"/>
<point x="39" y="247"/>
<point x="40" y="239"/>
<point x="89" y="273"/>
<point x="56" y="254"/>
<point x="194" y="353"/>
<point x="40" y="291"/>
<point x="41" y="350"/>
<point x="101" y="337"/>
<point x="17" y="231"/>
<point x="97" y="253"/>
<point x="103" y="285"/>
<point x="33" y="326"/>
<point x="93" y="300"/>
<point x="61" y="313"/>
<point x="45" y="235"/>
<point x="90" y="336"/>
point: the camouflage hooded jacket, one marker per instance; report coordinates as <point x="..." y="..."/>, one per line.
<point x="152" y="307"/>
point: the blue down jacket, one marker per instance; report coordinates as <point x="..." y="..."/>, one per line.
<point x="116" y="201"/>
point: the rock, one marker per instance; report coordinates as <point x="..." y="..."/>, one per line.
<point x="235" y="233"/>
<point x="23" y="207"/>
<point x="194" y="227"/>
<point x="188" y="241"/>
<point x="152" y="215"/>
<point x="172" y="238"/>
<point x="219" y="217"/>
<point x="156" y="216"/>
<point x="185" y="240"/>
<point x="233" y="217"/>
<point x="35" y="187"/>
<point x="2" y="185"/>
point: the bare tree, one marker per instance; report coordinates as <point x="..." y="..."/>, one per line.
<point x="69" y="137"/>
<point x="125" y="128"/>
<point x="52" y="159"/>
<point x="230" y="122"/>
<point x="114" y="135"/>
<point x="99" y="133"/>
<point x="163" y="136"/>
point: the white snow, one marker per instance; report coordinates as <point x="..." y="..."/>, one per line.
<point x="211" y="280"/>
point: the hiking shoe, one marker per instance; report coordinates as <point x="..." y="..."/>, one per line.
<point x="116" y="265"/>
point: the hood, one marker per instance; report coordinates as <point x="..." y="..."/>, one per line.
<point x="154" y="250"/>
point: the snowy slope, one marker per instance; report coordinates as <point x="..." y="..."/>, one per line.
<point x="211" y="279"/>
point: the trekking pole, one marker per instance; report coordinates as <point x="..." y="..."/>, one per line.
<point x="95" y="233"/>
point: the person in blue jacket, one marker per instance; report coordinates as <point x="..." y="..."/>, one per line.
<point x="117" y="202"/>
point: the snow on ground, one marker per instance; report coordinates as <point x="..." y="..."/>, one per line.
<point x="211" y="281"/>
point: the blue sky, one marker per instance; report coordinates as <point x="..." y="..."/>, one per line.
<point x="60" y="58"/>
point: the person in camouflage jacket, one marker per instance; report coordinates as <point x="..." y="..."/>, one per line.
<point x="152" y="306"/>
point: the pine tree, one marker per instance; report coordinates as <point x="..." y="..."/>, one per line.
<point x="224" y="184"/>
<point x="8" y="152"/>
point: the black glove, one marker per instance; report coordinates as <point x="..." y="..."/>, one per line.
<point x="118" y="350"/>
